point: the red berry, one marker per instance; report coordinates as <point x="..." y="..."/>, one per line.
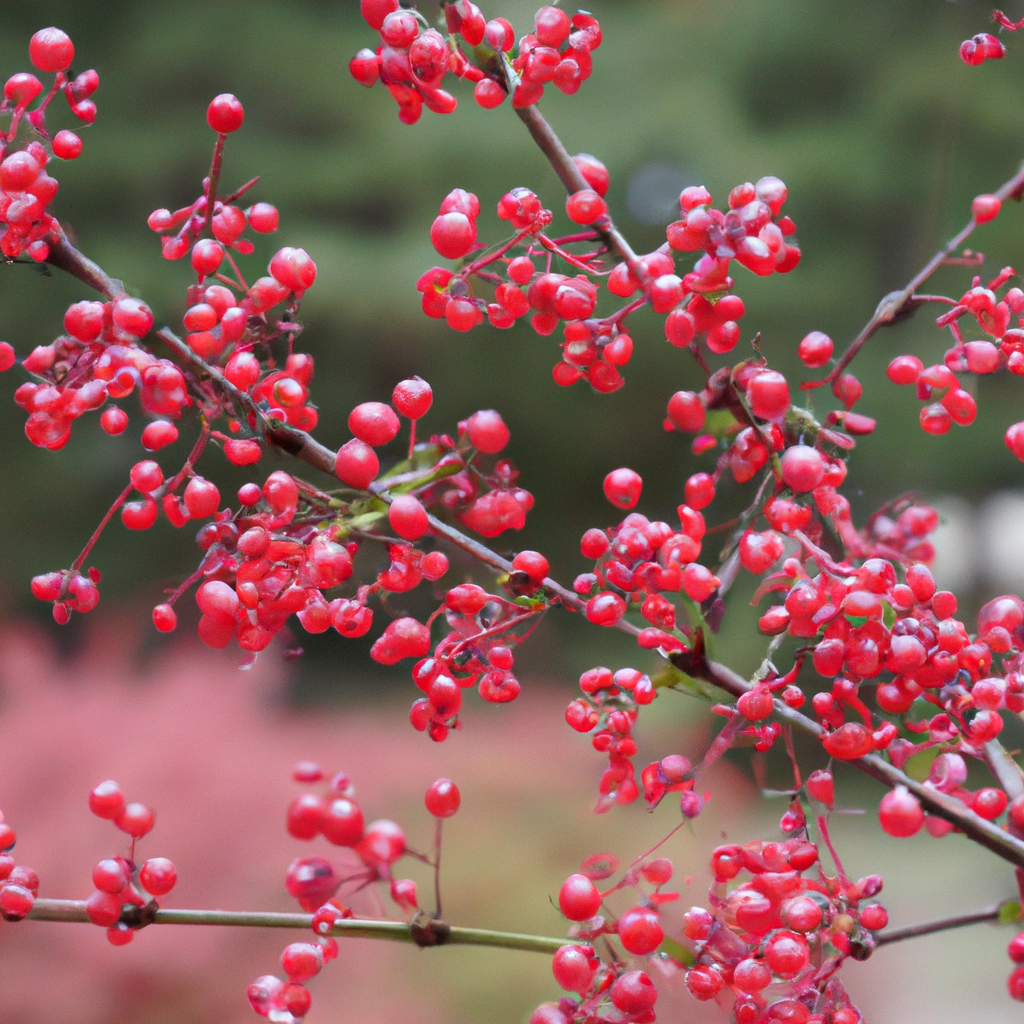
<point x="1015" y="439"/>
<point x="634" y="993"/>
<point x="106" y="800"/>
<point x="342" y="823"/>
<point x="622" y="487"/>
<point x="687" y="412"/>
<point x="985" y="208"/>
<point x="374" y="423"/>
<point x="375" y="11"/>
<point x="15" y="902"/>
<point x="293" y="269"/>
<point x="66" y="145"/>
<point x="487" y="431"/>
<point x="356" y="464"/>
<point x="802" y="468"/>
<point x="50" y="49"/>
<point x="453" y="235"/>
<point x="585" y="207"/>
<point x="578" y="898"/>
<point x="640" y="931"/>
<point x="201" y="497"/>
<point x="443" y="798"/>
<point x="768" y="394"/>
<point x="900" y="812"/>
<point x="263" y="218"/>
<point x="135" y="819"/>
<point x="815" y="349"/>
<point x="103" y="909"/>
<point x="225" y="113"/>
<point x="164" y="618"/>
<point x="158" y="876"/>
<point x="111" y="876"/>
<point x="408" y="517"/>
<point x="533" y="563"/>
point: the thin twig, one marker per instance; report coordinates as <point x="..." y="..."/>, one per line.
<point x="912" y="931"/>
<point x="900" y="303"/>
<point x="395" y="931"/>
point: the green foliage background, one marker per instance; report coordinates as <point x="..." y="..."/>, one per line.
<point x="880" y="132"/>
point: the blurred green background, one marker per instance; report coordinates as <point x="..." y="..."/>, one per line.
<point x="864" y="110"/>
<point x="882" y="135"/>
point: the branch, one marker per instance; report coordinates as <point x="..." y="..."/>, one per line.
<point x="349" y="928"/>
<point x="912" y="931"/>
<point x="983" y="832"/>
<point x="901" y="303"/>
<point x="569" y="174"/>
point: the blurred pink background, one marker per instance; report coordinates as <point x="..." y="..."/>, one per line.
<point x="210" y="749"/>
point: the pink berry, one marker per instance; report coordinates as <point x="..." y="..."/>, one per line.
<point x="640" y="931"/>
<point x="66" y="145"/>
<point x="225" y="113"/>
<point x="263" y="218"/>
<point x="768" y="394"/>
<point x="487" y="431"/>
<point x="453" y="235"/>
<point x="634" y="992"/>
<point x="293" y="268"/>
<point x="900" y="812"/>
<point x="802" y="468"/>
<point x="585" y="207"/>
<point x="595" y="172"/>
<point x="164" y="618"/>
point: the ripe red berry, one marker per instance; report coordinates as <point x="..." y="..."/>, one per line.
<point x="342" y="823"/>
<point x="985" y="208"/>
<point x="815" y="349"/>
<point x="533" y="563"/>
<point x="408" y="517"/>
<point x="687" y="412"/>
<point x="356" y="464"/>
<point x="164" y="618"/>
<point x="50" y="49"/>
<point x="640" y="931"/>
<point x="106" y="800"/>
<point x="136" y="819"/>
<point x="293" y="269"/>
<point x="225" y="113"/>
<point x="1015" y="439"/>
<point x="103" y="909"/>
<point x="487" y="431"/>
<point x="768" y="394"/>
<point x="201" y="497"/>
<point x="634" y="992"/>
<point x="578" y="898"/>
<point x="595" y="172"/>
<point x="802" y="468"/>
<point x="111" y="876"/>
<point x="302" y="960"/>
<point x="443" y="798"/>
<point x="585" y="207"/>
<point x="900" y="812"/>
<point x="622" y="487"/>
<point x="374" y="423"/>
<point x="263" y="218"/>
<point x="158" y="876"/>
<point x="453" y="235"/>
<point x="66" y="145"/>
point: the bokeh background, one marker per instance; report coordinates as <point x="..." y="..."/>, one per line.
<point x="882" y="135"/>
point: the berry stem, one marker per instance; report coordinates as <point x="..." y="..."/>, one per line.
<point x="902" y="303"/>
<point x="214" y="180"/>
<point x="97" y="533"/>
<point x="350" y="928"/>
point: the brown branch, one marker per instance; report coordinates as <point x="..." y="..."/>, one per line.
<point x="976" y="828"/>
<point x="901" y="303"/>
<point x="569" y="174"/>
<point x="913" y="931"/>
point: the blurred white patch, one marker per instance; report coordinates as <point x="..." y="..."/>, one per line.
<point x="999" y="532"/>
<point x="956" y="547"/>
<point x="652" y="194"/>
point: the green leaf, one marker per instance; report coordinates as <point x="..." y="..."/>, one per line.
<point x="1009" y="912"/>
<point x="697" y="621"/>
<point x="669" y="675"/>
<point x="669" y="947"/>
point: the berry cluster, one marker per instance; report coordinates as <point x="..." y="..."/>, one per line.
<point x="984" y="46"/>
<point x="19" y="885"/>
<point x="313" y="881"/>
<point x="698" y="306"/>
<point x="771" y="946"/>
<point x="26" y="189"/>
<point x="608" y="991"/>
<point x="125" y="896"/>
<point x="413" y="58"/>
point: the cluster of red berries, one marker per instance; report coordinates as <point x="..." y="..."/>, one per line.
<point x="984" y="46"/>
<point x="608" y="991"/>
<point x="100" y="358"/>
<point x="26" y="188"/>
<point x="948" y="401"/>
<point x="413" y="59"/>
<point x="771" y="947"/>
<point x="313" y="881"/>
<point x="19" y="885"/>
<point x="124" y="890"/>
